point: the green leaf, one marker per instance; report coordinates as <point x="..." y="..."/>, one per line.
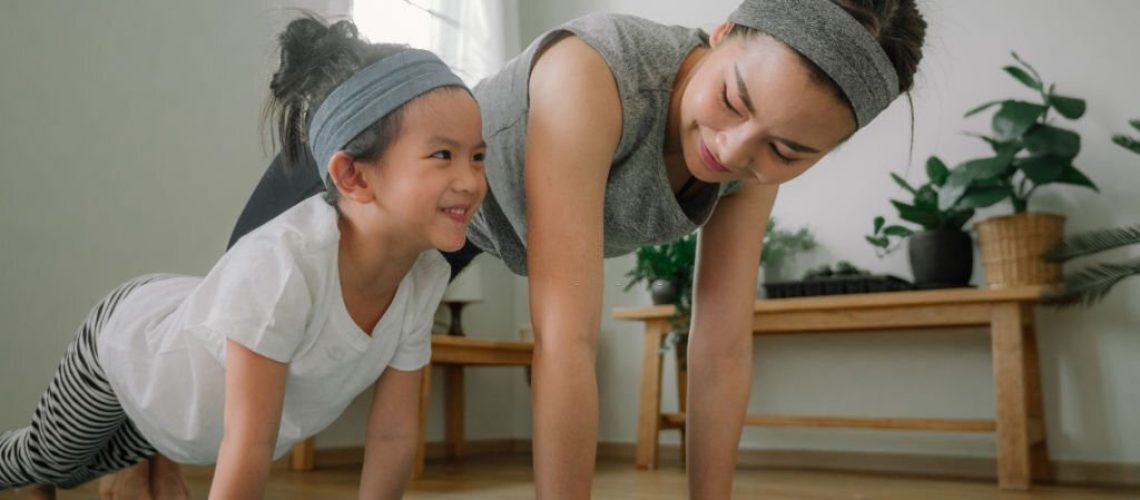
<point x="1023" y="77"/>
<point x="924" y="217"/>
<point x="902" y="183"/>
<point x="1043" y="169"/>
<point x="899" y="231"/>
<point x="1015" y="118"/>
<point x="1127" y="143"/>
<point x="1069" y="107"/>
<point x="1047" y="139"/>
<point x="981" y="108"/>
<point x="988" y="168"/>
<point x="1070" y="175"/>
<point x="937" y="171"/>
<point x="879" y="221"/>
<point x="1026" y="65"/>
<point x="954" y="188"/>
<point x="927" y="198"/>
<point x="981" y="197"/>
<point x="994" y="143"/>
<point x="881" y="241"/>
<point x="1135" y="124"/>
<point x="1091" y="242"/>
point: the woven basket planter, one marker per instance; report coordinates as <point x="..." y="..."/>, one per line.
<point x="1012" y="246"/>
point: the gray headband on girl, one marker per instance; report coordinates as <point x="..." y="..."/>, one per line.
<point x="371" y="94"/>
<point x="829" y="37"/>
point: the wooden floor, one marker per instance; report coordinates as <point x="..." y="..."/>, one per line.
<point x="509" y="477"/>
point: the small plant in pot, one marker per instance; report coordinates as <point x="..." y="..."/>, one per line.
<point x="941" y="253"/>
<point x="1029" y="151"/>
<point x="668" y="271"/>
<point x="780" y="247"/>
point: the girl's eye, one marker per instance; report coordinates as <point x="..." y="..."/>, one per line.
<point x="479" y="157"/>
<point x="724" y="98"/>
<point x="442" y="155"/>
<point x="780" y="157"/>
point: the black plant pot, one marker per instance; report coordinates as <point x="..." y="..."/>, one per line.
<point x="662" y="292"/>
<point x="942" y="258"/>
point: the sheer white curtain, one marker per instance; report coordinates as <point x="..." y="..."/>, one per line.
<point x="474" y="37"/>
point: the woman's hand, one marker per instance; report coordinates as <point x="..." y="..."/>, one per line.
<point x="720" y="344"/>
<point x="255" y="391"/>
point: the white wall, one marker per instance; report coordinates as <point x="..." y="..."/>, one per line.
<point x="129" y="141"/>
<point x="1088" y="356"/>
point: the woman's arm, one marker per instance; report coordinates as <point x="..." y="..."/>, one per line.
<point x="720" y="347"/>
<point x="255" y="390"/>
<point x="574" y="128"/>
<point x="390" y="444"/>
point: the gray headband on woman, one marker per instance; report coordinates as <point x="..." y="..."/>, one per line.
<point x="829" y="37"/>
<point x="371" y="94"/>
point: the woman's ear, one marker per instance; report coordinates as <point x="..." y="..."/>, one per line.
<point x="348" y="177"/>
<point x="720" y="32"/>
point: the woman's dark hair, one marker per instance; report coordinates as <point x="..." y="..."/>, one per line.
<point x="896" y="24"/>
<point x="315" y="58"/>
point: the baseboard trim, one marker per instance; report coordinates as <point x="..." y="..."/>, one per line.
<point x="940" y="466"/>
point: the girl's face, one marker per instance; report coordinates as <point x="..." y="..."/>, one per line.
<point x="752" y="110"/>
<point x="430" y="179"/>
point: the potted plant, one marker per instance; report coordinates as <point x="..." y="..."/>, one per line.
<point x="1092" y="283"/>
<point x="941" y="253"/>
<point x="668" y="270"/>
<point x="1029" y="151"/>
<point x="780" y="246"/>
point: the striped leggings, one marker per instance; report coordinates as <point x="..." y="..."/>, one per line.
<point x="78" y="431"/>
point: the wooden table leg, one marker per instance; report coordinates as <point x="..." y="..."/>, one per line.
<point x="453" y="394"/>
<point x="1038" y="451"/>
<point x="421" y="439"/>
<point x="304" y="455"/>
<point x="1011" y="391"/>
<point x="681" y="357"/>
<point x="649" y="421"/>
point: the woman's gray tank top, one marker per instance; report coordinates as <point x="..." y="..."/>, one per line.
<point x="640" y="207"/>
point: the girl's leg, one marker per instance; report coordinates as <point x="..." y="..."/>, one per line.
<point x="76" y="418"/>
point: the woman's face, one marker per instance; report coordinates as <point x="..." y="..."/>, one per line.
<point x="752" y="110"/>
<point x="431" y="177"/>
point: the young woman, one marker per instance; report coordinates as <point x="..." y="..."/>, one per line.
<point x="334" y="295"/>
<point x="613" y="132"/>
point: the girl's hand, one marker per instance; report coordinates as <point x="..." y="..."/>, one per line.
<point x="255" y="391"/>
<point x="393" y="429"/>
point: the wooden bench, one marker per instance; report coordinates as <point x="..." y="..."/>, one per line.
<point x="453" y="353"/>
<point x="1022" y="455"/>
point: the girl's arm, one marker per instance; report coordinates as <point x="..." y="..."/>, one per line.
<point x="255" y="390"/>
<point x="720" y="344"/>
<point x="575" y="124"/>
<point x="390" y="444"/>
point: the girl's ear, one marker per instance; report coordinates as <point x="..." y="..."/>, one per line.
<point x="348" y="176"/>
<point x="720" y="32"/>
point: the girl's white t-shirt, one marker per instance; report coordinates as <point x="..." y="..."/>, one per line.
<point x="276" y="292"/>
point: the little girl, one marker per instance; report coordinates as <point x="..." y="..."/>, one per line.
<point x="334" y="295"/>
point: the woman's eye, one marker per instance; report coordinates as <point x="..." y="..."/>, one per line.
<point x="442" y="155"/>
<point x="479" y="157"/>
<point x="780" y="157"/>
<point x="724" y="97"/>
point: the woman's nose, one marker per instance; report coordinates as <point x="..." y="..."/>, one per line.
<point x="735" y="148"/>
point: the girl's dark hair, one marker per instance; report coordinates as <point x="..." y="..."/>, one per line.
<point x="315" y="58"/>
<point x="896" y="24"/>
